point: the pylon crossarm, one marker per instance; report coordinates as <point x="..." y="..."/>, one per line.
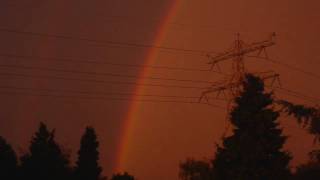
<point x="261" y="46"/>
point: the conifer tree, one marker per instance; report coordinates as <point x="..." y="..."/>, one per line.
<point x="8" y="161"/>
<point x="88" y="167"/>
<point x="45" y="159"/>
<point x="254" y="150"/>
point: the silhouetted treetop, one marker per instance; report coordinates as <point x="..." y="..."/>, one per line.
<point x="88" y="167"/>
<point x="45" y="160"/>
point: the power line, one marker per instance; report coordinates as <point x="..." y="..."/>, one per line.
<point x="106" y="42"/>
<point x="301" y="95"/>
<point x="127" y="44"/>
<point x="289" y="66"/>
<point x="96" y="81"/>
<point x="98" y="92"/>
<point x="109" y="98"/>
<point x="88" y="61"/>
<point x="286" y="91"/>
<point x="100" y="73"/>
<point x="132" y="76"/>
<point x="296" y="94"/>
<point x="130" y="20"/>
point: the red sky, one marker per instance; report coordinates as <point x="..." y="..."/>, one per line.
<point x="166" y="133"/>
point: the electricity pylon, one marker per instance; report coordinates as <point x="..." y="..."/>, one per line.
<point x="236" y="54"/>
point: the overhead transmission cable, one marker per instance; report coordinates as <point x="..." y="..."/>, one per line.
<point x="132" y="45"/>
<point x="88" y="61"/>
<point x="289" y="66"/>
<point x="109" y="98"/>
<point x="105" y="93"/>
<point x="298" y="94"/>
<point x="105" y="42"/>
<point x="22" y="75"/>
<point x="100" y="73"/>
<point x="121" y="75"/>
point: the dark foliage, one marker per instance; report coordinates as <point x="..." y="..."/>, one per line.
<point x="88" y="157"/>
<point x="124" y="176"/>
<point x="195" y="170"/>
<point x="8" y="161"/>
<point x="307" y="117"/>
<point x="45" y="159"/>
<point x="254" y="150"/>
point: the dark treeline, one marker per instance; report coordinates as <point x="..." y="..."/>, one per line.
<point x="46" y="160"/>
<point x="254" y="150"/>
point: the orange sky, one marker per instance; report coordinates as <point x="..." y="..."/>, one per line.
<point x="164" y="133"/>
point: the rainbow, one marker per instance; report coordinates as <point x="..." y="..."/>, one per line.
<point x="150" y="58"/>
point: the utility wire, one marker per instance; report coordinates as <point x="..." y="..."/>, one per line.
<point x="301" y="95"/>
<point x="108" y="98"/>
<point x="130" y="20"/>
<point x="285" y="91"/>
<point x="99" y="92"/>
<point x="100" y="73"/>
<point x="288" y="92"/>
<point x="130" y="45"/>
<point x="88" y="61"/>
<point x="105" y="42"/>
<point x="289" y="66"/>
<point x="107" y="63"/>
<point x="96" y="81"/>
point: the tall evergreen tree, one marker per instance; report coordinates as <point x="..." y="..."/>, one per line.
<point x="254" y="151"/>
<point x="88" y="167"/>
<point x="124" y="176"/>
<point x="45" y="159"/>
<point x="8" y="161"/>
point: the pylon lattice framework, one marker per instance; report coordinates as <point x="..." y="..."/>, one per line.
<point x="232" y="86"/>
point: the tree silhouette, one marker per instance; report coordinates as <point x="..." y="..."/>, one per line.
<point x="254" y="150"/>
<point x="195" y="170"/>
<point x="88" y="156"/>
<point x="8" y="161"/>
<point x="124" y="176"/>
<point x="307" y="117"/>
<point x="45" y="159"/>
